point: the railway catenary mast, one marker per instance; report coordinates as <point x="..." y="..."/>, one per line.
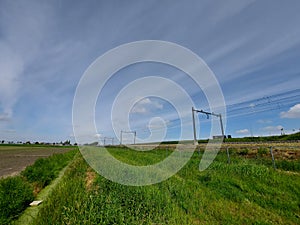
<point x="207" y="114"/>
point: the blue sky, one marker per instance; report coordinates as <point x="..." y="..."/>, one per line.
<point x="252" y="47"/>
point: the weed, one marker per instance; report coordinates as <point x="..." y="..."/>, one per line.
<point x="44" y="170"/>
<point x="262" y="151"/>
<point x="15" y="195"/>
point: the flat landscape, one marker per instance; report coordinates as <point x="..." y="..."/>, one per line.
<point x="15" y="158"/>
<point x="149" y="112"/>
<point x="248" y="190"/>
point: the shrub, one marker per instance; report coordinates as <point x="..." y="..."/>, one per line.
<point x="15" y="195"/>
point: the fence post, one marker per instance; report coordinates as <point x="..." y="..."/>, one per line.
<point x="273" y="159"/>
<point x="167" y="148"/>
<point x="228" y="156"/>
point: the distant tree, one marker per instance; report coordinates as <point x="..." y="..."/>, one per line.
<point x="67" y="142"/>
<point x="2" y="142"/>
<point x="94" y="143"/>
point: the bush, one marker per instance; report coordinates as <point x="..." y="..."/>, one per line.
<point x="15" y="195"/>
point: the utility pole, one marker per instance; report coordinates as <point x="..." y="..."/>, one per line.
<point x="134" y="137"/>
<point x="207" y="114"/>
<point x="128" y="132"/>
<point x="121" y="138"/>
<point x="194" y="126"/>
<point x="108" y="138"/>
<point x="221" y="124"/>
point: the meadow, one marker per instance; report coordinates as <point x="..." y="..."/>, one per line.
<point x="246" y="191"/>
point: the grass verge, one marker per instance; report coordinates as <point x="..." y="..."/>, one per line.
<point x="242" y="192"/>
<point x="17" y="192"/>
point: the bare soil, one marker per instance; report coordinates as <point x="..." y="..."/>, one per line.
<point x="14" y="159"/>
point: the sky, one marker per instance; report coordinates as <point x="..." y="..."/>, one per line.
<point x="251" y="47"/>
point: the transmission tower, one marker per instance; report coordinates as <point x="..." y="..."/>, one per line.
<point x="207" y="114"/>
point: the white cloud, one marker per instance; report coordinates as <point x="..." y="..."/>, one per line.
<point x="158" y="123"/>
<point x="8" y="131"/>
<point x="294" y="112"/>
<point x="146" y="105"/>
<point x="243" y="131"/>
<point x="98" y="135"/>
<point x="264" y="121"/>
<point x="5" y="117"/>
<point x="272" y="128"/>
<point x="11" y="66"/>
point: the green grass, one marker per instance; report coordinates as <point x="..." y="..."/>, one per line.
<point x="44" y="170"/>
<point x="242" y="192"/>
<point x="15" y="195"/>
<point x="17" y="192"/>
<point x="285" y="137"/>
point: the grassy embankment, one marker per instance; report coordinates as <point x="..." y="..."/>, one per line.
<point x="277" y="138"/>
<point x="18" y="191"/>
<point x="244" y="192"/>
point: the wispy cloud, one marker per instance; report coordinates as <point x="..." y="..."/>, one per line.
<point x="11" y="67"/>
<point x="243" y="131"/>
<point x="272" y="129"/>
<point x="263" y="121"/>
<point x="45" y="47"/>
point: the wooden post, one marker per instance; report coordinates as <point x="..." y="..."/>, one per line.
<point x="228" y="156"/>
<point x="273" y="159"/>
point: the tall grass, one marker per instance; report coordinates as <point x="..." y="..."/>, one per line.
<point x="17" y="192"/>
<point x="15" y="195"/>
<point x="242" y="192"/>
<point x="44" y="170"/>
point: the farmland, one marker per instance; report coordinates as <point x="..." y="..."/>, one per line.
<point x="14" y="158"/>
<point x="246" y="191"/>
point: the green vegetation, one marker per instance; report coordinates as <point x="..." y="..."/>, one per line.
<point x="15" y="195"/>
<point x="286" y="137"/>
<point x="243" y="192"/>
<point x="17" y="192"/>
<point x="44" y="170"/>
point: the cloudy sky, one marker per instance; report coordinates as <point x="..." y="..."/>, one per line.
<point x="252" y="47"/>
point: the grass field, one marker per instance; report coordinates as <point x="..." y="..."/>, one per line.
<point x="247" y="191"/>
<point x="16" y="192"/>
